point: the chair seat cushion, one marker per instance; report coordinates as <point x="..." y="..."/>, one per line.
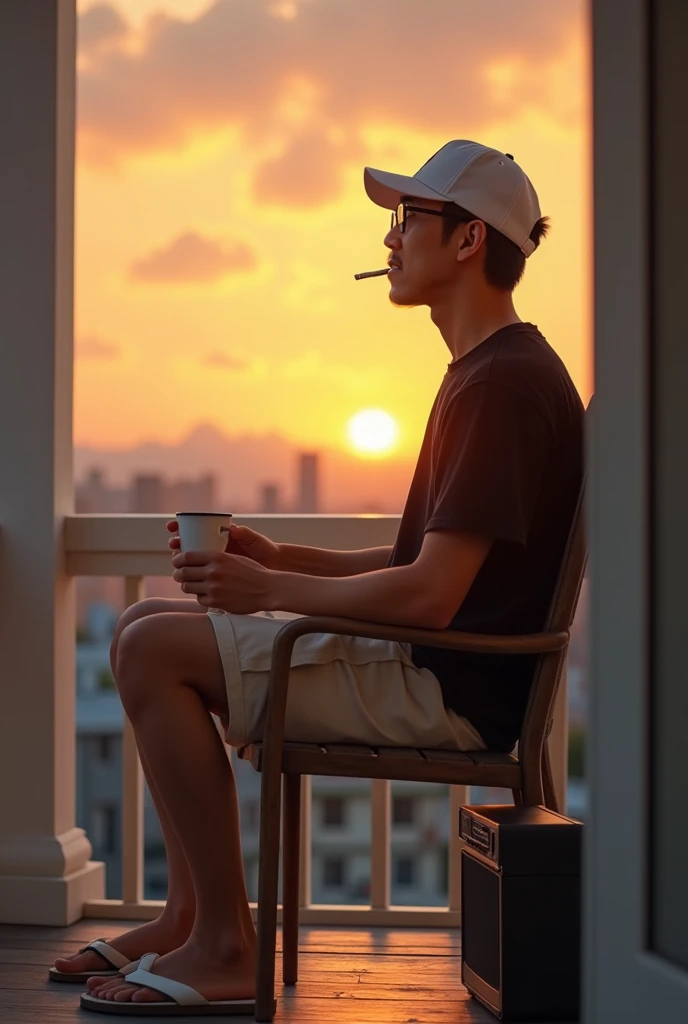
<point x="479" y="768"/>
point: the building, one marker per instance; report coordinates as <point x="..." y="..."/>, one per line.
<point x="192" y="495"/>
<point x="148" y="493"/>
<point x="93" y="495"/>
<point x="152" y="493"/>
<point x="270" y="499"/>
<point x="308" y="500"/>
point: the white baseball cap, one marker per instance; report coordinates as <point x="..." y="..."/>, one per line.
<point x="487" y="183"/>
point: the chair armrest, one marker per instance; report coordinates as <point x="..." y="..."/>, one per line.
<point x="476" y="643"/>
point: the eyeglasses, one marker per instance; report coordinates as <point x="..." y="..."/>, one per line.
<point x="399" y="215"/>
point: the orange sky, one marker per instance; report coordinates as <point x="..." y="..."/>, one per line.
<point x="221" y="213"/>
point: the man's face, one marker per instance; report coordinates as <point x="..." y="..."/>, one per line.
<point x="422" y="268"/>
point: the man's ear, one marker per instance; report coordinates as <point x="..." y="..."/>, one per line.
<point x="474" y="237"/>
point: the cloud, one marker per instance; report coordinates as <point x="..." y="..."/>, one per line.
<point x="92" y="347"/>
<point x="222" y="361"/>
<point x="309" y="172"/>
<point x="100" y="26"/>
<point x="193" y="258"/>
<point x="436" y="66"/>
<point x="287" y="10"/>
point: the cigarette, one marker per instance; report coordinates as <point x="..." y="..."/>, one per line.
<point x="371" y="273"/>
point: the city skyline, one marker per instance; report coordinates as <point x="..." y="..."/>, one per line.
<point x="242" y="466"/>
<point x="154" y="493"/>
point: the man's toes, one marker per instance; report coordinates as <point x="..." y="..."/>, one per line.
<point x="95" y="984"/>
<point x="112" y="990"/>
<point x="124" y="994"/>
<point x="103" y="983"/>
<point x="147" y="995"/>
<point x="81" y="962"/>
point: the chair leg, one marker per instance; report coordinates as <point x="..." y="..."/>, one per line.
<point x="532" y="793"/>
<point x="291" y="834"/>
<point x="551" y="801"/>
<point x="268" y="874"/>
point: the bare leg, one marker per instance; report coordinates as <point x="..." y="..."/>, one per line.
<point x="169" y="676"/>
<point x="173" y="926"/>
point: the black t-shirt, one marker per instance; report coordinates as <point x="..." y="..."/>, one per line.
<point x="502" y="457"/>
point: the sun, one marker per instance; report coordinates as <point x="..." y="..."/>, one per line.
<point x="372" y="432"/>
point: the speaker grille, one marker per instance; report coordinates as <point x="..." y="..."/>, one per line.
<point x="480" y="914"/>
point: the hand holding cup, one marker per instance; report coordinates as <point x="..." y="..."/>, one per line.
<point x="201" y="531"/>
<point x="206" y="566"/>
<point x="241" y="540"/>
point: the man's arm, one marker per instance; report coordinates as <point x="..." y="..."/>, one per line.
<point x="426" y="594"/>
<point x="296" y="558"/>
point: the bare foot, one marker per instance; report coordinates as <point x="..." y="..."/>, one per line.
<point x="159" y="936"/>
<point x="232" y="977"/>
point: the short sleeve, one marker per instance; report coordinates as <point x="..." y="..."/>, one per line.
<point x="489" y="461"/>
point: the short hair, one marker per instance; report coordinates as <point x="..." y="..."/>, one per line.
<point x="504" y="261"/>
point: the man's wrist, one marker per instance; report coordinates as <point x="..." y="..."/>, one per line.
<point x="281" y="558"/>
<point x="274" y="597"/>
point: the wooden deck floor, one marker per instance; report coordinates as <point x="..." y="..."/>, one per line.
<point x="352" y="976"/>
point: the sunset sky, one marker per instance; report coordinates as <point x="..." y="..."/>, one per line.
<point x="221" y="213"/>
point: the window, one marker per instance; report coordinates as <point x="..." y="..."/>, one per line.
<point x="156" y="887"/>
<point x="103" y="831"/>
<point x="105" y="748"/>
<point x="333" y="872"/>
<point x="403" y="810"/>
<point x="251" y="816"/>
<point x="333" y="811"/>
<point x="405" y="871"/>
<point x="105" y="679"/>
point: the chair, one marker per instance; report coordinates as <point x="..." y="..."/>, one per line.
<point x="528" y="775"/>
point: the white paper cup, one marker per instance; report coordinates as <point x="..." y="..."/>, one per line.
<point x="203" y="531"/>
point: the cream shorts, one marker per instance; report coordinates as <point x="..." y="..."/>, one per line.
<point x="342" y="689"/>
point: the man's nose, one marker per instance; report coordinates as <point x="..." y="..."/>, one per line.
<point x="393" y="238"/>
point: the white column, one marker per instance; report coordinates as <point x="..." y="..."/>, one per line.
<point x="45" y="868"/>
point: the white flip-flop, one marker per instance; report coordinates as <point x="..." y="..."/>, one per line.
<point x="187" y="1001"/>
<point x="117" y="962"/>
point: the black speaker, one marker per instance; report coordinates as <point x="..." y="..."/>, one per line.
<point x="520" y="911"/>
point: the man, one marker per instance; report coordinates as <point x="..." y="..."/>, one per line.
<point x="479" y="547"/>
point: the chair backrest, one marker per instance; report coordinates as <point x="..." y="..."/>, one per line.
<point x="562" y="610"/>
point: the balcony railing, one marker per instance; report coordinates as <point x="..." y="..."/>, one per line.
<point x="134" y="547"/>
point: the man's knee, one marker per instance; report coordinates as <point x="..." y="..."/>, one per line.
<point x="149" y="606"/>
<point x="139" y="652"/>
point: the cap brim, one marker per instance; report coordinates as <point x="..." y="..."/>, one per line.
<point x="386" y="189"/>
